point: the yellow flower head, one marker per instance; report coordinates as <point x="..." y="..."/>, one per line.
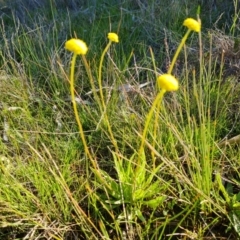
<point x="77" y="46"/>
<point x="113" y="37"/>
<point x="168" y="82"/>
<point x="192" y="24"/>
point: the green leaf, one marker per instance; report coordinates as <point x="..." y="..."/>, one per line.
<point x="138" y="213"/>
<point x="106" y="182"/>
<point x="140" y="172"/>
<point x="236" y="223"/>
<point x="130" y="168"/>
<point x="124" y="174"/>
<point x="112" y="202"/>
<point x="154" y="203"/>
<point x="153" y="189"/>
<point x="127" y="190"/>
<point x="138" y="194"/>
<point x="153" y="174"/>
<point x="238" y="196"/>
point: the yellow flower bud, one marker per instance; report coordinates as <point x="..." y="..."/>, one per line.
<point x="113" y="37"/>
<point x="77" y="46"/>
<point x="168" y="82"/>
<point x="192" y="24"/>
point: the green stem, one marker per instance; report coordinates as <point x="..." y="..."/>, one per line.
<point x="178" y="51"/>
<point x="105" y="117"/>
<point x="148" y="119"/>
<point x="80" y="128"/>
<point x="155" y="132"/>
<point x="100" y="74"/>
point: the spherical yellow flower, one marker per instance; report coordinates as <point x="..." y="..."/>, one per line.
<point x="113" y="37"/>
<point x="77" y="46"/>
<point x="168" y="82"/>
<point x="192" y="24"/>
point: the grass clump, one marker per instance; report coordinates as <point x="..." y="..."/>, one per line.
<point x="156" y="158"/>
